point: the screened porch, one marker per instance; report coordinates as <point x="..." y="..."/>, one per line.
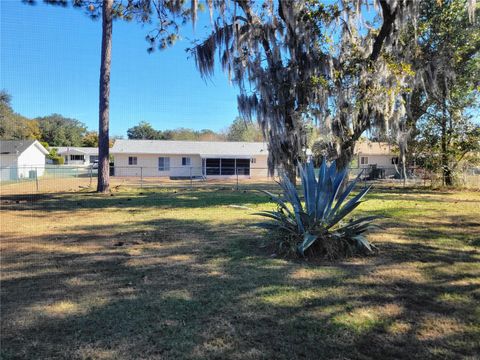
<point x="225" y="166"/>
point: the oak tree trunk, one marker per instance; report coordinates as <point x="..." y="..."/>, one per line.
<point x="446" y="171"/>
<point x="346" y="154"/>
<point x="103" y="184"/>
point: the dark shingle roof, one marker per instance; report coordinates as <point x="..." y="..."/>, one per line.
<point x="12" y="147"/>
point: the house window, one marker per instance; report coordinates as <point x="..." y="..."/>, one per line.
<point x="253" y="160"/>
<point x="186" y="161"/>
<point x="363" y="160"/>
<point x="395" y="160"/>
<point x="76" y="157"/>
<point x="163" y="164"/>
<point x="132" y="160"/>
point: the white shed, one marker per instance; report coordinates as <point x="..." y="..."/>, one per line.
<point x="21" y="159"/>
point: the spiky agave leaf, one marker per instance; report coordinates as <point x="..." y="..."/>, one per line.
<point x="343" y="196"/>
<point x="322" y="213"/>
<point x="348" y="208"/>
<point x="280" y="202"/>
<point x="308" y="240"/>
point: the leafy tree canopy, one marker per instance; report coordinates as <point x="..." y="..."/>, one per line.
<point x="343" y="64"/>
<point x="14" y="126"/>
<point x="90" y="139"/>
<point x="144" y="131"/>
<point x="244" y="130"/>
<point x="58" y="130"/>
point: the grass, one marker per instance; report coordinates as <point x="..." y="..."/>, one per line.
<point x="164" y="274"/>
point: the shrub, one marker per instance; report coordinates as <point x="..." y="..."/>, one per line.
<point x="56" y="159"/>
<point x="316" y="225"/>
<point x="59" y="160"/>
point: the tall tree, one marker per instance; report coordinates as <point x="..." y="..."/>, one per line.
<point x="447" y="81"/>
<point x="463" y="140"/>
<point x="308" y="59"/>
<point x="294" y="60"/>
<point x="103" y="183"/>
<point x="165" y="34"/>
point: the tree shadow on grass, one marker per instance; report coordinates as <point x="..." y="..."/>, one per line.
<point x="183" y="289"/>
<point x="164" y="199"/>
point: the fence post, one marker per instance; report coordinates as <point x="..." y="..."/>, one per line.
<point x="91" y="175"/>
<point x="191" y="179"/>
<point x="141" y="177"/>
<point x="36" y="178"/>
<point x="236" y="172"/>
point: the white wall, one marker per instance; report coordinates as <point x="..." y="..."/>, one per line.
<point x="8" y="167"/>
<point x="382" y="161"/>
<point x="20" y="167"/>
<point x="32" y="158"/>
<point x="147" y="164"/>
<point x="260" y="168"/>
<point x="66" y="157"/>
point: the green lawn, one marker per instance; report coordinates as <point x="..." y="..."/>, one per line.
<point x="184" y="275"/>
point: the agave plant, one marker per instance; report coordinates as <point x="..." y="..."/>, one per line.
<point x="318" y="220"/>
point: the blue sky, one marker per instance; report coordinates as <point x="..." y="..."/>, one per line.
<point x="50" y="61"/>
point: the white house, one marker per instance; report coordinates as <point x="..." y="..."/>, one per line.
<point x="21" y="159"/>
<point x="381" y="155"/>
<point x="78" y="155"/>
<point x="177" y="159"/>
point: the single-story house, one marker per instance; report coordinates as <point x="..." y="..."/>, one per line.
<point x="381" y="155"/>
<point x="78" y="155"/>
<point x="178" y="159"/>
<point x="21" y="159"/>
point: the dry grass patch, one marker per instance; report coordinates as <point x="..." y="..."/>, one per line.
<point x="164" y="274"/>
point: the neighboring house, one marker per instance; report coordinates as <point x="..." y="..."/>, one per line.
<point x="177" y="159"/>
<point x="77" y="155"/>
<point x="377" y="154"/>
<point x="21" y="159"/>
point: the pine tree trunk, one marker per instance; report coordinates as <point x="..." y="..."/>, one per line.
<point x="103" y="184"/>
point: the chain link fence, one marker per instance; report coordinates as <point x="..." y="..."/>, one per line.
<point x="64" y="178"/>
<point x="465" y="178"/>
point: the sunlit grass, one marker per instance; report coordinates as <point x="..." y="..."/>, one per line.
<point x="182" y="274"/>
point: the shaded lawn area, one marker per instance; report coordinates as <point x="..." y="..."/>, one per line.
<point x="183" y="275"/>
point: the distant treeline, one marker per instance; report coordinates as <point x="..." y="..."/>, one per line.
<point x="239" y="130"/>
<point x="57" y="130"/>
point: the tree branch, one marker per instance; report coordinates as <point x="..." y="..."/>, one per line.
<point x="386" y="29"/>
